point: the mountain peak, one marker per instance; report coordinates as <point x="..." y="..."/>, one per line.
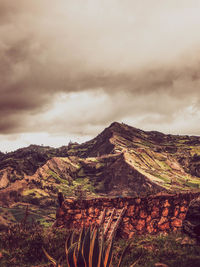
<point x="115" y="124"/>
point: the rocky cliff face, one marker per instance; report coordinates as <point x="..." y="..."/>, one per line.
<point x="120" y="161"/>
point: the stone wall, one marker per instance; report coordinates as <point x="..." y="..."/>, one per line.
<point x="143" y="215"/>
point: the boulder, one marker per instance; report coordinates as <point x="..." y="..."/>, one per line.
<point x="191" y="224"/>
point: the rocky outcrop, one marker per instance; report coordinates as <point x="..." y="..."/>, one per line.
<point x="120" y="161"/>
<point x="26" y="161"/>
<point x="191" y="224"/>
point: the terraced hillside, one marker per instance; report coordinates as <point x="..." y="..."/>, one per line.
<point x="120" y="161"/>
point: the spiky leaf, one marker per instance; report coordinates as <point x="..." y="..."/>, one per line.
<point x="86" y="247"/>
<point x="123" y="253"/>
<point x="49" y="257"/>
<point x="108" y="254"/>
<point x="80" y="260"/>
<point x="69" y="256"/>
<point x="101" y="248"/>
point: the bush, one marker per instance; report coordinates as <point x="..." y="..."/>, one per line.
<point x="22" y="244"/>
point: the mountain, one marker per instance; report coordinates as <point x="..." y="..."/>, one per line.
<point x="120" y="161"/>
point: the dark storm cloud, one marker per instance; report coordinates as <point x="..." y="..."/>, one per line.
<point x="48" y="48"/>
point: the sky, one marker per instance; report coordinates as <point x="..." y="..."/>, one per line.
<point x="69" y="68"/>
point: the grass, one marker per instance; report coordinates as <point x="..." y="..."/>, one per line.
<point x="174" y="250"/>
<point x="38" y="193"/>
<point x="21" y="245"/>
<point x="45" y="216"/>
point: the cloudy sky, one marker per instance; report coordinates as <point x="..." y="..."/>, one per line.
<point x="68" y="68"/>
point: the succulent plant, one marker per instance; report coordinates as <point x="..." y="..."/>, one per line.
<point x="91" y="250"/>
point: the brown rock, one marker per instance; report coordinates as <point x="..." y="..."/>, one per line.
<point x="98" y="221"/>
<point x="183" y="209"/>
<point x="125" y="220"/>
<point x="127" y="229"/>
<point x="134" y="221"/>
<point x="70" y="211"/>
<point x="131" y="227"/>
<point x="137" y="209"/>
<point x="77" y="211"/>
<point x="177" y="207"/>
<point x="97" y="211"/>
<point x="138" y="201"/>
<point x="166" y="204"/>
<point x="155" y="212"/>
<point x="162" y="220"/>
<point x="148" y="219"/>
<point x="126" y="204"/>
<point x="143" y="214"/>
<point x="131" y="234"/>
<point x="164" y="226"/>
<point x="121" y="204"/>
<point x="90" y="210"/>
<point x="68" y="200"/>
<point x="182" y="216"/>
<point x="176" y="223"/>
<point x="150" y="229"/>
<point x="130" y="210"/>
<point x="185" y="202"/>
<point x="165" y="212"/>
<point x="78" y="216"/>
<point x="140" y="225"/>
<point x="176" y="211"/>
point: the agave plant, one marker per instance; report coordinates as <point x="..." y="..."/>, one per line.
<point x="90" y="250"/>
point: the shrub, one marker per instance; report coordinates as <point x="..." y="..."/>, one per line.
<point x="23" y="243"/>
<point x="90" y="250"/>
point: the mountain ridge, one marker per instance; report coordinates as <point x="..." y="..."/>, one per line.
<point x="166" y="162"/>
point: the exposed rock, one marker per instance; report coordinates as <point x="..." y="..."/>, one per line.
<point x="165" y="212"/>
<point x="121" y="161"/>
<point x="4" y="181"/>
<point x="191" y="224"/>
<point x="176" y="222"/>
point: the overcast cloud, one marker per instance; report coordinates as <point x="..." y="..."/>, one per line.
<point x="69" y="68"/>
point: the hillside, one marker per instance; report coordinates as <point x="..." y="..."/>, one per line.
<point x="120" y="161"/>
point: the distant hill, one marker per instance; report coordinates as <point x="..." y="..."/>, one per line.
<point x="120" y="161"/>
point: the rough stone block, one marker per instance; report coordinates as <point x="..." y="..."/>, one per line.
<point x="176" y="223"/>
<point x="155" y="212"/>
<point x="183" y="209"/>
<point x="138" y="201"/>
<point x="164" y="226"/>
<point x="166" y="204"/>
<point x="78" y="216"/>
<point x="148" y="219"/>
<point x="141" y="224"/>
<point x="150" y="229"/>
<point x="165" y="212"/>
<point x="182" y="216"/>
<point x="162" y="220"/>
<point x="130" y="210"/>
<point x="143" y="214"/>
